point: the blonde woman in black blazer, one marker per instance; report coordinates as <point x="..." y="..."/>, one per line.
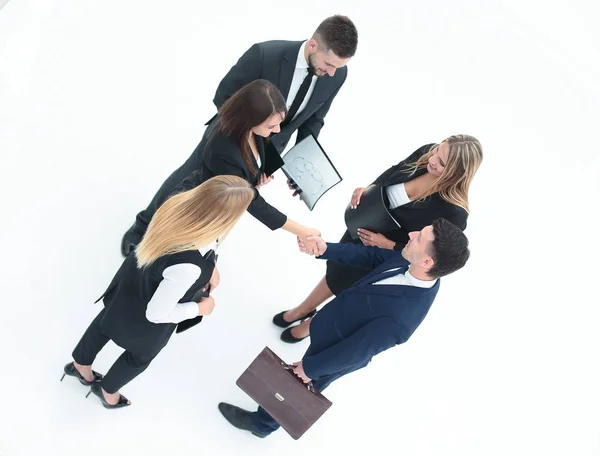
<point x="158" y="286"/>
<point x="433" y="182"/>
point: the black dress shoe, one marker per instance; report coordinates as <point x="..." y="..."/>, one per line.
<point x="240" y="418"/>
<point x="288" y="337"/>
<point x="279" y="321"/>
<point x="130" y="240"/>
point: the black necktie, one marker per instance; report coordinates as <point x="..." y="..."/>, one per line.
<point x="302" y="91"/>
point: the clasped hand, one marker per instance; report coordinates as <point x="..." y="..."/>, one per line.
<point x="312" y="245"/>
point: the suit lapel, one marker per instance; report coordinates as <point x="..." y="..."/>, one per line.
<point x="322" y="90"/>
<point x="378" y="273"/>
<point x="288" y="66"/>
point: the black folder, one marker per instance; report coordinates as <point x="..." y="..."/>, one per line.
<point x="273" y="160"/>
<point x="191" y="322"/>
<point x="371" y="214"/>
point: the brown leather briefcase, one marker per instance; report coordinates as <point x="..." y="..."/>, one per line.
<point x="295" y="405"/>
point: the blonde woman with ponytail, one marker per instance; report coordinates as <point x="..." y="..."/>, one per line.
<point x="152" y="291"/>
<point x="433" y="182"/>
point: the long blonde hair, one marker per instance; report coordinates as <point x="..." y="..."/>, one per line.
<point x="464" y="157"/>
<point x="193" y="219"/>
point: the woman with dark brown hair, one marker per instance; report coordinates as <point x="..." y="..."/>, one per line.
<point x="235" y="145"/>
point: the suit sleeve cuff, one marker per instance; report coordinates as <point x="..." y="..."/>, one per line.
<point x="309" y="369"/>
<point x="328" y="252"/>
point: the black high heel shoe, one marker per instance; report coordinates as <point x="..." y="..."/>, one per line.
<point x="279" y="321"/>
<point x="97" y="390"/>
<point x="288" y="337"/>
<point x="71" y="371"/>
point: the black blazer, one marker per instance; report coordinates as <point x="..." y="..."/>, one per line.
<point x="128" y="294"/>
<point x="275" y="61"/>
<point x="222" y="156"/>
<point x="415" y="215"/>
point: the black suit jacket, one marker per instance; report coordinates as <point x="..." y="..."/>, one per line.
<point x="222" y="156"/>
<point x="275" y="61"/>
<point x="128" y="294"/>
<point x="415" y="215"/>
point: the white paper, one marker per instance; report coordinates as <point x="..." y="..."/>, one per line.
<point x="308" y="166"/>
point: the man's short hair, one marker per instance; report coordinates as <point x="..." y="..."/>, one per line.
<point x="338" y="34"/>
<point x="449" y="249"/>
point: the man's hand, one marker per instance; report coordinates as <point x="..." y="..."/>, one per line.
<point x="299" y="371"/>
<point x="379" y="240"/>
<point x="215" y="279"/>
<point x="294" y="186"/>
<point x="313" y="245"/>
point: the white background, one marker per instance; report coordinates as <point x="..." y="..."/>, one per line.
<point x="101" y="100"/>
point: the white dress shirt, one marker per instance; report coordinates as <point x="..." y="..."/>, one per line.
<point x="397" y="195"/>
<point x="299" y="74"/>
<point x="164" y="306"/>
<point x="177" y="280"/>
<point x="406" y="279"/>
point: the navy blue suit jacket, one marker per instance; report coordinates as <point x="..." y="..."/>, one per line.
<point x="365" y="319"/>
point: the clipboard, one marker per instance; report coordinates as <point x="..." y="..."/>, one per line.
<point x="309" y="169"/>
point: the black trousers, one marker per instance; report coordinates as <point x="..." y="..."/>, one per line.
<point x="125" y="368"/>
<point x="193" y="163"/>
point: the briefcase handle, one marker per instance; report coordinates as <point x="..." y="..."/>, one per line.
<point x="309" y="385"/>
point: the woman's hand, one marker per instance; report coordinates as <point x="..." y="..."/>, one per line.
<point x="309" y="232"/>
<point x="313" y="245"/>
<point x="264" y="180"/>
<point x="307" y="237"/>
<point x="206" y="306"/>
<point x="215" y="279"/>
<point x="379" y="240"/>
<point x="356" y="195"/>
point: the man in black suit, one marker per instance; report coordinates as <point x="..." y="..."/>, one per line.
<point x="309" y="75"/>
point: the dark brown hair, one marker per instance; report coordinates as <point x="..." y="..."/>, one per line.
<point x="245" y="109"/>
<point x="449" y="250"/>
<point x="339" y="34"/>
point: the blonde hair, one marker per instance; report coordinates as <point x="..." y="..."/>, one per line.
<point x="193" y="219"/>
<point x="464" y="157"/>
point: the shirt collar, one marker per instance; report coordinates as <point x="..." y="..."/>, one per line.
<point x="418" y="282"/>
<point x="301" y="63"/>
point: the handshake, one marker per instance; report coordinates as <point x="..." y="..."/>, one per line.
<point x="312" y="245"/>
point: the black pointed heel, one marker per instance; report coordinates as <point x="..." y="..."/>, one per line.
<point x="71" y="371"/>
<point x="97" y="390"/>
<point x="279" y="321"/>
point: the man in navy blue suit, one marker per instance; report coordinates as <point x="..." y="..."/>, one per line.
<point x="378" y="312"/>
